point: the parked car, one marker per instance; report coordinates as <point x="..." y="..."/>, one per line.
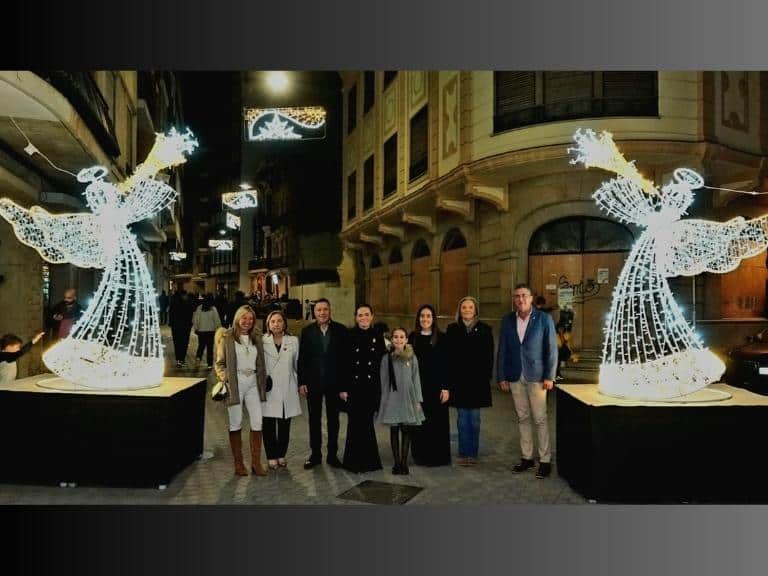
<point x="747" y="365"/>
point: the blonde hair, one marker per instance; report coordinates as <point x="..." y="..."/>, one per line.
<point x="282" y="315"/>
<point x="242" y="311"/>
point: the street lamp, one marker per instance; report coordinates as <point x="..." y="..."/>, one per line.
<point x="277" y="81"/>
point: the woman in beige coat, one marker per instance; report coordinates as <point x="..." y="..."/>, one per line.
<point x="240" y="363"/>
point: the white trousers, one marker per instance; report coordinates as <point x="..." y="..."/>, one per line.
<point x="249" y="395"/>
<point x="530" y="398"/>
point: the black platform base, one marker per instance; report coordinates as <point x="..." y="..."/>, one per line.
<point x="134" y="438"/>
<point x="715" y="452"/>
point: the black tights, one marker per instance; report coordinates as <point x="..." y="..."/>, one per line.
<point x="400" y="439"/>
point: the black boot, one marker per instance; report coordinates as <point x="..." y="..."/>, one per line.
<point x="395" y="442"/>
<point x="404" y="450"/>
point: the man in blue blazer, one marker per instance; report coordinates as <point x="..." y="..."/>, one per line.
<point x="526" y="364"/>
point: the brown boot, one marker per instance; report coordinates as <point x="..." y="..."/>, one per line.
<point x="256" y="467"/>
<point x="236" y="442"/>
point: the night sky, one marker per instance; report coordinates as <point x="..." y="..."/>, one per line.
<point x="212" y="104"/>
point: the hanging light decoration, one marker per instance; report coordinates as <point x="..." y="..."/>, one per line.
<point x="221" y="245"/>
<point x="650" y="352"/>
<point x="116" y="343"/>
<point x="233" y="222"/>
<point x="292" y="123"/>
<point x="244" y="198"/>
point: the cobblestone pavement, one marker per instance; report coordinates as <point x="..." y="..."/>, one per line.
<point x="211" y="481"/>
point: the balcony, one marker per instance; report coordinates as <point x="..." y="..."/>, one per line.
<point x="80" y="89"/>
<point x="262" y="264"/>
<point x="574" y="109"/>
<point x="66" y="118"/>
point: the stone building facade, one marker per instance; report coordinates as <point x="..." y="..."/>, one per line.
<point x="459" y="182"/>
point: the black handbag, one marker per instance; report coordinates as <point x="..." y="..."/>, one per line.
<point x="269" y="383"/>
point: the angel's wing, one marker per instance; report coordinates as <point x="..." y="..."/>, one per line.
<point x="147" y="197"/>
<point x="691" y="247"/>
<point x="59" y="238"/>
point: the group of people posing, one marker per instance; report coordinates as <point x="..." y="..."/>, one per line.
<point x="406" y="382"/>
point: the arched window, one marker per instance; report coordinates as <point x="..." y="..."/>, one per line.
<point x="574" y="263"/>
<point x="454" y="240"/>
<point x="420" y="249"/>
<point x="396" y="256"/>
<point x="375" y="261"/>
<point x="579" y="234"/>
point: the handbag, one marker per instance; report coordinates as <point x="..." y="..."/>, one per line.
<point x="219" y="391"/>
<point x="269" y="383"/>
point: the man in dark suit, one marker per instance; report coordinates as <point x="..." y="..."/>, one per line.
<point x="322" y="365"/>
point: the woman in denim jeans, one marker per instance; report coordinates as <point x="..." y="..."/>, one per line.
<point x="469" y="365"/>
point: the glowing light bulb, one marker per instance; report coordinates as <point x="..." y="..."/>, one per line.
<point x="277" y="81"/>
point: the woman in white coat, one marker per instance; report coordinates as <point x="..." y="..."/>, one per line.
<point x="281" y="351"/>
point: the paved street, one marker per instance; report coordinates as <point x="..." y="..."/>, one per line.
<point x="211" y="481"/>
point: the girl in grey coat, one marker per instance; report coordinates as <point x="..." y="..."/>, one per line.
<point x="401" y="398"/>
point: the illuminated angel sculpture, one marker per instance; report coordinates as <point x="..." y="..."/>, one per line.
<point x="115" y="345"/>
<point x="650" y="352"/>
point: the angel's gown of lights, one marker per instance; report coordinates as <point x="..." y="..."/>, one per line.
<point x="647" y="325"/>
<point x="121" y="321"/>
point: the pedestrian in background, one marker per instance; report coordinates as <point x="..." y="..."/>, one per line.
<point x="162" y="305"/>
<point x="11" y="349"/>
<point x="182" y="308"/>
<point x="65" y="314"/>
<point x="205" y="322"/>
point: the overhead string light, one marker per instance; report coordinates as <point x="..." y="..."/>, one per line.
<point x="116" y="344"/>
<point x="650" y="352"/>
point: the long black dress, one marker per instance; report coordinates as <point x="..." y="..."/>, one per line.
<point x="431" y="444"/>
<point x="366" y="348"/>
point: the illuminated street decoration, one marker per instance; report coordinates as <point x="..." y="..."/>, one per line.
<point x="298" y="123"/>
<point x="650" y="352"/>
<point x="116" y="343"/>
<point x="221" y="244"/>
<point x="240" y="200"/>
<point x="177" y="256"/>
<point x="233" y="222"/>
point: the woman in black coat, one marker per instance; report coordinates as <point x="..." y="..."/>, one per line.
<point x="361" y="393"/>
<point x="469" y="364"/>
<point x="431" y="444"/>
